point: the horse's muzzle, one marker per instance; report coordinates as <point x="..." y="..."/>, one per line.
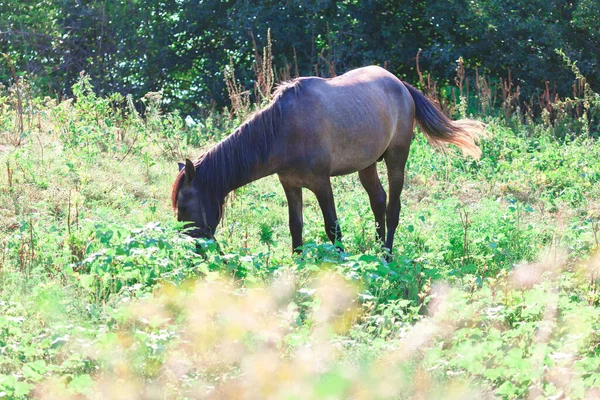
<point x="200" y="233"/>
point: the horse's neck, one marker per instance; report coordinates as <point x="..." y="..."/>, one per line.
<point x="236" y="162"/>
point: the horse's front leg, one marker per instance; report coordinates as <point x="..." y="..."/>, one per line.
<point x="322" y="189"/>
<point x="296" y="221"/>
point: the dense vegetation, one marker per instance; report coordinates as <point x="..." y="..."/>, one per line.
<point x="492" y="291"/>
<point x="182" y="47"/>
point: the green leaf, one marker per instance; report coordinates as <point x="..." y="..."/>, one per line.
<point x="87" y="281"/>
<point x="34" y="370"/>
<point x="332" y="385"/>
<point x="22" y="388"/>
<point x="82" y="384"/>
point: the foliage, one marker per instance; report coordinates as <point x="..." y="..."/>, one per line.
<point x="184" y="47"/>
<point x="492" y="289"/>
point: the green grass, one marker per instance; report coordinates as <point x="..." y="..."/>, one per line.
<point x="491" y="289"/>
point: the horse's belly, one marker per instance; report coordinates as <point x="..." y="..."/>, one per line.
<point x="348" y="169"/>
<point x="341" y="168"/>
<point x="356" y="152"/>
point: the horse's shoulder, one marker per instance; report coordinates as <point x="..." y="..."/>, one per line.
<point x="285" y="86"/>
<point x="290" y="94"/>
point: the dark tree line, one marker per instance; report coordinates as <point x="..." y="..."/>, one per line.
<point x="183" y="46"/>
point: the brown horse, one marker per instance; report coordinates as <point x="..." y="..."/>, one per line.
<point x="314" y="129"/>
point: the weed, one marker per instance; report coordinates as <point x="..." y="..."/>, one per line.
<point x="102" y="296"/>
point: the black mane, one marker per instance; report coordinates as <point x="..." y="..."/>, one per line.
<point x="229" y="163"/>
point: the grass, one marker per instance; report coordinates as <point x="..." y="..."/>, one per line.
<point x="492" y="289"/>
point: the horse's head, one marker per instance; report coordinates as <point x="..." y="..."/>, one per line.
<point x="196" y="205"/>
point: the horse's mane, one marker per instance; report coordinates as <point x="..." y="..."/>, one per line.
<point x="230" y="161"/>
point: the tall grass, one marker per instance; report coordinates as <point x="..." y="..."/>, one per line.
<point x="492" y="291"/>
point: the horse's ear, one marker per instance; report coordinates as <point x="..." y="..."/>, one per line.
<point x="181" y="166"/>
<point x="190" y="170"/>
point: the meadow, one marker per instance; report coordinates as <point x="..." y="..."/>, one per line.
<point x="491" y="292"/>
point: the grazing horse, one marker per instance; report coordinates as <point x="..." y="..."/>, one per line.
<point x="314" y="129"/>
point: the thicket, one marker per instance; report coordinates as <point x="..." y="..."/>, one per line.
<point x="102" y="297"/>
<point x="183" y="47"/>
<point x="491" y="292"/>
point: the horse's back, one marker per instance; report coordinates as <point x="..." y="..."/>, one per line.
<point x="346" y="123"/>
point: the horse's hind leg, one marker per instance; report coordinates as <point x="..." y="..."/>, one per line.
<point x="377" y="196"/>
<point x="321" y="187"/>
<point x="395" y="159"/>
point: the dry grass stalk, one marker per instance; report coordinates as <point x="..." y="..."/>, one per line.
<point x="16" y="140"/>
<point x="263" y="69"/>
<point x="240" y="98"/>
<point x="510" y="97"/>
<point x="483" y="87"/>
<point x="429" y="87"/>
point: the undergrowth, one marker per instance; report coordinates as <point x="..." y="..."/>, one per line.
<point x="491" y="290"/>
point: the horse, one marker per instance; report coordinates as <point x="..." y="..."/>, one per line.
<point x="313" y="129"/>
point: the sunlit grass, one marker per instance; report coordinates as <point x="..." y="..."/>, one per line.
<point x="492" y="289"/>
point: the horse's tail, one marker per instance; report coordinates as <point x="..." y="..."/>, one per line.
<point x="440" y="130"/>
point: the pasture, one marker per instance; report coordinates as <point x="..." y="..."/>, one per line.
<point x="491" y="290"/>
